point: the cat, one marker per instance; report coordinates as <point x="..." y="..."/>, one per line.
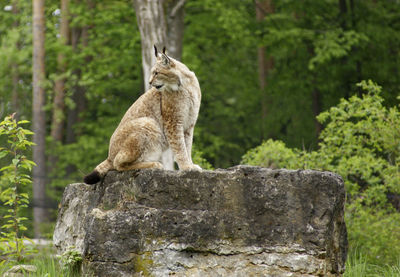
<point x="163" y="117"/>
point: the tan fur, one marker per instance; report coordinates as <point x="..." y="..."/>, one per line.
<point x="161" y="118"/>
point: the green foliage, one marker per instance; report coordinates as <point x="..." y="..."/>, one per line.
<point x="14" y="177"/>
<point x="71" y="260"/>
<point x="361" y="143"/>
<point x="314" y="48"/>
<point x="15" y="55"/>
<point x="198" y="159"/>
<point x="334" y="44"/>
<point x="375" y="233"/>
<point x="272" y="154"/>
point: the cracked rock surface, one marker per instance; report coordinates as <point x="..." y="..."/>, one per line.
<point x="243" y="221"/>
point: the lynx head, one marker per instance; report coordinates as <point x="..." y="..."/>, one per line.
<point x="164" y="74"/>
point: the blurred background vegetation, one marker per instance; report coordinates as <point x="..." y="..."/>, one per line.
<point x="279" y="82"/>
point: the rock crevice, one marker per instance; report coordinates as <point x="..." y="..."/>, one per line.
<point x="243" y="221"/>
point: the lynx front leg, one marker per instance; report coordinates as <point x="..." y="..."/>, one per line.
<point x="176" y="140"/>
<point x="188" y="142"/>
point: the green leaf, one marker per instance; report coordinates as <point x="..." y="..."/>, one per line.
<point x="3" y="153"/>
<point x="7" y="168"/>
<point x="25" y="195"/>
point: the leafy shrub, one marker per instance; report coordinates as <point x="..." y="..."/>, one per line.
<point x="273" y="154"/>
<point x="361" y="142"/>
<point x="14" y="177"/>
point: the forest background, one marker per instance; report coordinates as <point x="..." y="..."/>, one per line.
<point x="266" y="68"/>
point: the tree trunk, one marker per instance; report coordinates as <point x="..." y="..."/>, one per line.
<point x="264" y="65"/>
<point x="343" y="14"/>
<point x="160" y="28"/>
<point x="315" y="97"/>
<point x="40" y="214"/>
<point x="153" y="31"/>
<point x="15" y="94"/>
<point x="355" y="49"/>
<point x="57" y="124"/>
<point x="72" y="113"/>
<point x="316" y="107"/>
<point x="14" y="67"/>
<point x="175" y="26"/>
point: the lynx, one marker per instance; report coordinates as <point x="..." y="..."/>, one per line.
<point x="162" y="118"/>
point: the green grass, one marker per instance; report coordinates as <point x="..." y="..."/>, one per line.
<point x="358" y="266"/>
<point x="47" y="266"/>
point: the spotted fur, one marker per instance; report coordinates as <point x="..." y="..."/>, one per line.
<point x="163" y="117"/>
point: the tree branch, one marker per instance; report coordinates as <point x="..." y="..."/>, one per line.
<point x="175" y="9"/>
<point x="258" y="6"/>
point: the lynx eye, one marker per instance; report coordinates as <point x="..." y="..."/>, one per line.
<point x="155" y="73"/>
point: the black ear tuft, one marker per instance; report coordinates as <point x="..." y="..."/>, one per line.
<point x="163" y="50"/>
<point x="155" y="51"/>
<point x="165" y="59"/>
<point x="92" y="178"/>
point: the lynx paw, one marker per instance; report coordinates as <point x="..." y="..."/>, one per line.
<point x="192" y="167"/>
<point x="196" y="167"/>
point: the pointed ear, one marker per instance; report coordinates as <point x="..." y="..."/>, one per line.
<point x="155" y="51"/>
<point x="163" y="50"/>
<point x="165" y="59"/>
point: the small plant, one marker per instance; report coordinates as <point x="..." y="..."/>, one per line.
<point x="14" y="177"/>
<point x="71" y="260"/>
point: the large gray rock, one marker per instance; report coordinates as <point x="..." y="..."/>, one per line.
<point x="244" y="221"/>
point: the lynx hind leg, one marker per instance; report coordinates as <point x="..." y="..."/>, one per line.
<point x="125" y="158"/>
<point x="142" y="165"/>
<point x="142" y="148"/>
<point x="128" y="160"/>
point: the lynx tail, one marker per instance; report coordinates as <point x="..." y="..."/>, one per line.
<point x="98" y="173"/>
